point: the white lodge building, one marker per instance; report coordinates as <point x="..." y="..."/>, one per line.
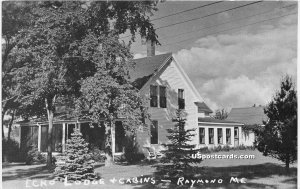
<point x="162" y="79"/>
<point x="169" y="88"/>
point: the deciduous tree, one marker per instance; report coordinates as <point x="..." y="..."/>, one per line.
<point x="15" y="17"/>
<point x="72" y="41"/>
<point x="108" y="94"/>
<point x="221" y="114"/>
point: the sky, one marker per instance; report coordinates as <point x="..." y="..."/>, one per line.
<point x="235" y="58"/>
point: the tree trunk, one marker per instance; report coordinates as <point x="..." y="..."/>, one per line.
<point x="10" y="124"/>
<point x="3" y="113"/>
<point x="108" y="144"/>
<point x="2" y="129"/>
<point x="287" y="163"/>
<point x="49" y="106"/>
<point x="5" y="157"/>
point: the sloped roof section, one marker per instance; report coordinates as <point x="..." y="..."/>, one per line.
<point x="203" y="107"/>
<point x="146" y="67"/>
<point x="248" y="115"/>
<point x="214" y="120"/>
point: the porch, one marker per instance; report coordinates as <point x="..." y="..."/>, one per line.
<point x="213" y="132"/>
<point x="37" y="134"/>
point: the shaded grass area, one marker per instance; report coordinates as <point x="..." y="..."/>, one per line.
<point x="268" y="175"/>
<point x="18" y="172"/>
<point x="261" y="172"/>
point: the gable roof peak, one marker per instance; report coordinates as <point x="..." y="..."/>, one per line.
<point x="146" y="67"/>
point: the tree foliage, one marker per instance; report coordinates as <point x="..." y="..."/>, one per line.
<point x="108" y="94"/>
<point x="15" y="17"/>
<point x="178" y="156"/>
<point x="278" y="139"/>
<point x="73" y="49"/>
<point x="221" y="114"/>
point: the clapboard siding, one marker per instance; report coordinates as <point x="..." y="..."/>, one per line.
<point x="172" y="78"/>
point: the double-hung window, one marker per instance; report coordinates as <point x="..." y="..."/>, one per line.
<point x="158" y="94"/>
<point x="201" y="135"/>
<point x="162" y="97"/>
<point x="181" y="102"/>
<point x="220" y="136"/>
<point x="154" y="132"/>
<point x="153" y="96"/>
<point x="211" y="135"/>
<point x="228" y="136"/>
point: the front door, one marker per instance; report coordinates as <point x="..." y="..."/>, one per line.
<point x="236" y="136"/>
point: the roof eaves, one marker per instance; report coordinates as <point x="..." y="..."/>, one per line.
<point x="157" y="71"/>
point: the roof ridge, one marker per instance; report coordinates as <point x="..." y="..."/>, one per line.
<point x="248" y="107"/>
<point x="153" y="56"/>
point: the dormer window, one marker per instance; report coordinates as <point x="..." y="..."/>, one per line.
<point x="181" y="101"/>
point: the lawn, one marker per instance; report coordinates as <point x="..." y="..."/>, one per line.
<point x="261" y="172"/>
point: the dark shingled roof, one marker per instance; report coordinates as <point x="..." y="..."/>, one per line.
<point x="214" y="120"/>
<point x="248" y="116"/>
<point x="202" y="106"/>
<point x="146" y="67"/>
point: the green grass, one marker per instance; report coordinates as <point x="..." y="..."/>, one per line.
<point x="261" y="172"/>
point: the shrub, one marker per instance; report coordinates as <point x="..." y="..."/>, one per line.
<point x="226" y="148"/>
<point x="132" y="153"/>
<point x="221" y="148"/>
<point x="241" y="147"/>
<point x="120" y="158"/>
<point x="205" y="150"/>
<point x="217" y="149"/>
<point x="10" y="150"/>
<point x="97" y="154"/>
<point x="33" y="156"/>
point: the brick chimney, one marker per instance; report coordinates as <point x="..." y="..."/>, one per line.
<point x="150" y="48"/>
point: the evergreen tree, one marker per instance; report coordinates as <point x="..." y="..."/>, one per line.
<point x="79" y="164"/>
<point x="278" y="139"/>
<point x="177" y="158"/>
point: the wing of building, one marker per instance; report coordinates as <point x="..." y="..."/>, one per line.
<point x="249" y="116"/>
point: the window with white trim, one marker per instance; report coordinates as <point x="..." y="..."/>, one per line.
<point x="211" y="135"/>
<point x="202" y="135"/>
<point x="220" y="136"/>
<point x="154" y="132"/>
<point x="153" y="96"/>
<point x="181" y="101"/>
<point x="162" y="97"/>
